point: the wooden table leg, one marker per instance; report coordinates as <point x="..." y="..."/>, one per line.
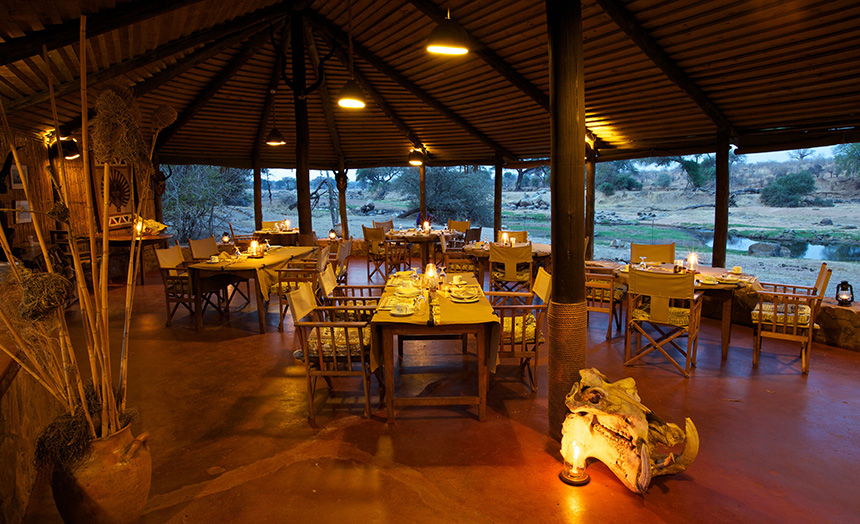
<point x="388" y="368"/>
<point x="198" y="299"/>
<point x="726" y="323"/>
<point x="483" y="371"/>
<point x="261" y="309"/>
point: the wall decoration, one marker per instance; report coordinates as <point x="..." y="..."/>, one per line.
<point x="17" y="183"/>
<point x="120" y="195"/>
<point x="22" y="212"/>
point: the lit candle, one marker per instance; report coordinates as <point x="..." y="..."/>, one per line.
<point x="139" y="227"/>
<point x="504" y="239"/>
<point x="431" y="276"/>
<point x="426" y="226"/>
<point x="692" y="261"/>
<point x="332" y="235"/>
<point x="286" y="224"/>
<point x="225" y="238"/>
<point x="253" y="248"/>
<point x="572" y="473"/>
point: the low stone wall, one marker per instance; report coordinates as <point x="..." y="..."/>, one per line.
<point x="25" y="409"/>
<point x="840" y="326"/>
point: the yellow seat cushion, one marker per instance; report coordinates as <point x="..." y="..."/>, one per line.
<point x="521" y="276"/>
<point x="345" y="339"/>
<point x="530" y="329"/>
<point x="678" y="316"/>
<point x="767" y="312"/>
<point x="461" y="267"/>
<point x="602" y="294"/>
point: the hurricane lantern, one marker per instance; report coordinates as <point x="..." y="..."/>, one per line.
<point x="844" y="293"/>
<point x="570" y="473"/>
<point x="225" y="238"/>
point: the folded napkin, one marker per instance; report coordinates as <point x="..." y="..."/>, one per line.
<point x="224" y="255"/>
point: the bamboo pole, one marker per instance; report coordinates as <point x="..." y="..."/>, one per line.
<point x="36" y="218"/>
<point x="78" y="382"/>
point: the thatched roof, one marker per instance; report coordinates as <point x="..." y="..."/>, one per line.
<point x="661" y="77"/>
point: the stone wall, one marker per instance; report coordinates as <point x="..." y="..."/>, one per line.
<point x="25" y="408"/>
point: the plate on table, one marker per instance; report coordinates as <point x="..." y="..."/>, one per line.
<point x="405" y="274"/>
<point x="407" y="292"/>
<point x="465" y="294"/>
<point x="465" y="300"/>
<point x="708" y="281"/>
<point x="408" y="311"/>
<point x="728" y="280"/>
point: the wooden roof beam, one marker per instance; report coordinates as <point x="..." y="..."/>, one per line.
<point x="99" y="23"/>
<point x="627" y="23"/>
<point x="325" y="98"/>
<point x="374" y="95"/>
<point x="377" y="63"/>
<point x="214" y="86"/>
<point x="250" y="24"/>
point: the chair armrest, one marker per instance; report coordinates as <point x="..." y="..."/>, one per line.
<point x="341" y="324"/>
<point x="783" y="288"/>
<point x="777" y="295"/>
<point x="509" y="294"/>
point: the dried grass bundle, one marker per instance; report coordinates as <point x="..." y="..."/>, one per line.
<point x="162" y="117"/>
<point x="34" y="334"/>
<point x="60" y="213"/>
<point x="42" y="293"/>
<point x="116" y="132"/>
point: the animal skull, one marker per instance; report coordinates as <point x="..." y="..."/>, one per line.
<point x="608" y="422"/>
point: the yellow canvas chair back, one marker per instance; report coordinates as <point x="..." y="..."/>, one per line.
<point x="509" y="257"/>
<point x="542" y="286"/>
<point x="268" y="224"/>
<point x="517" y="237"/>
<point x="663" y="253"/>
<point x="386" y="226"/>
<point x="374" y="237"/>
<point x="459" y="225"/>
<point x="328" y="280"/>
<point x="170" y="258"/>
<point x="203" y="248"/>
<point x="661" y="287"/>
<point x="302" y="301"/>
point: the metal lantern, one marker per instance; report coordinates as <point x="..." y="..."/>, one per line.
<point x="225" y="238"/>
<point x="844" y="293"/>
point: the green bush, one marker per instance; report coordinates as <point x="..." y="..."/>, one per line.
<point x="606" y="188"/>
<point x="788" y="190"/>
<point x="663" y="180"/>
<point x="619" y="175"/>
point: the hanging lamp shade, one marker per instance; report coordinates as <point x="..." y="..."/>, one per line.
<point x="416" y="157"/>
<point x="275" y="138"/>
<point x="351" y="95"/>
<point x="70" y="149"/>
<point x="448" y="39"/>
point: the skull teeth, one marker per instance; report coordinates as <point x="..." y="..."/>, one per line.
<point x="610" y="434"/>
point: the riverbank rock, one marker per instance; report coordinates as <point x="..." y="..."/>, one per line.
<point x="826" y="222"/>
<point x="763" y="249"/>
<point x="535" y="201"/>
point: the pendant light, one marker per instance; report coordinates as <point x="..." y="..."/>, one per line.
<point x="448" y="38"/>
<point x="416" y="157"/>
<point x="70" y="149"/>
<point x="351" y="95"/>
<point x="275" y="137"/>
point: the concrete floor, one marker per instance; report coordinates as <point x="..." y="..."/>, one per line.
<point x="227" y="415"/>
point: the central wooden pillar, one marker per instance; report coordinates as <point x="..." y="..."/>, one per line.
<point x="567" y="317"/>
<point x="497" y="200"/>
<point x="303" y="177"/>
<point x="721" y="208"/>
<point x="590" y="166"/>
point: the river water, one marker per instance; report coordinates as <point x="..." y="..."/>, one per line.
<point x="834" y="252"/>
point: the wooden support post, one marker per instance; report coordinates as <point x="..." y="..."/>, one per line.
<point x="258" y="191"/>
<point x="721" y="208"/>
<point x="567" y="318"/>
<point x="303" y="180"/>
<point x="342" y="181"/>
<point x="590" y="166"/>
<point x="422" y="185"/>
<point x="497" y="200"/>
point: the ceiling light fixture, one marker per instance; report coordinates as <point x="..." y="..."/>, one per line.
<point x="70" y="149"/>
<point x="416" y="157"/>
<point x="448" y="38"/>
<point x="351" y="95"/>
<point x="275" y="138"/>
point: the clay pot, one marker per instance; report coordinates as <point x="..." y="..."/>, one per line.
<point x="110" y="486"/>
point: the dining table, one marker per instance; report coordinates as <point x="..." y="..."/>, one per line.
<point x="263" y="269"/>
<point x="423" y="238"/>
<point x="279" y="237"/>
<point x="414" y="311"/>
<point x="718" y="283"/>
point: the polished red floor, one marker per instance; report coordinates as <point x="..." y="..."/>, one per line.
<point x="227" y="415"/>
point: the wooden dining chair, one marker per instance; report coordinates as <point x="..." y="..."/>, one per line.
<point x="459" y="225"/>
<point x="374" y="240"/>
<point x="342" y="263"/>
<point x="329" y="347"/>
<point x="660" y="253"/>
<point x="511" y="267"/>
<point x="455" y="260"/>
<point x="332" y="293"/>
<point x="521" y="315"/>
<point x="268" y="224"/>
<point x="517" y="237"/>
<point x="473" y="234"/>
<point x="602" y="295"/>
<point x="178" y="287"/>
<point x="397" y="256"/>
<point x="300" y="271"/>
<point x="788" y="312"/>
<point x="668" y="304"/>
<point x="386" y="225"/>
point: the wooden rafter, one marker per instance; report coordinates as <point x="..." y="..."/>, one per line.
<point x="209" y="91"/>
<point x="376" y="96"/>
<point x="380" y="65"/>
<point x="627" y="23"/>
<point x="325" y="98"/>
<point x="68" y="33"/>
